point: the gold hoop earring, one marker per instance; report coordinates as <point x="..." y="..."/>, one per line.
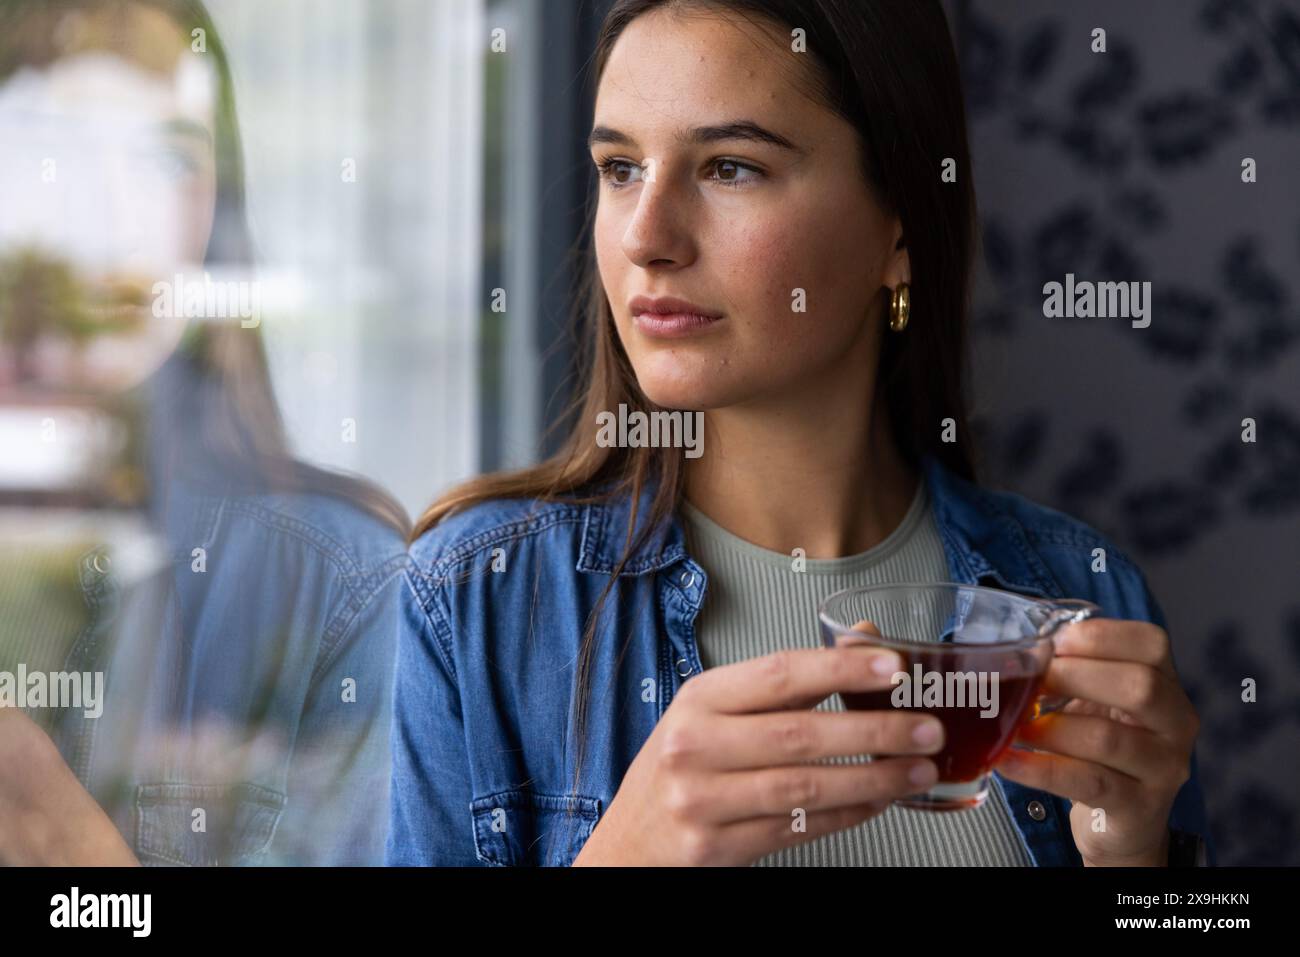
<point x="900" y="305"/>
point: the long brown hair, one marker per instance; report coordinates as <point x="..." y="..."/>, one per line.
<point x="887" y="67"/>
<point x="213" y="403"/>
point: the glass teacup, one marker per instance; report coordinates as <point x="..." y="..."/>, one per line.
<point x="974" y="657"/>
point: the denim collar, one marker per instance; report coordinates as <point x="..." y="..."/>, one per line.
<point x="981" y="537"/>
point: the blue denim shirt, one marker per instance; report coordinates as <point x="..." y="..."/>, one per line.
<point x="253" y="686"/>
<point x="493" y="612"/>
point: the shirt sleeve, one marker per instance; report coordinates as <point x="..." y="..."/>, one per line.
<point x="336" y="814"/>
<point x="430" y="822"/>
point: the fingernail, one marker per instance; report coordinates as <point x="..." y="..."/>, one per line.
<point x="925" y="773"/>
<point x="927" y="733"/>
<point x="886" y="664"/>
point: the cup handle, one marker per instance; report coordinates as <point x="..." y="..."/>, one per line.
<point x="1066" y="612"/>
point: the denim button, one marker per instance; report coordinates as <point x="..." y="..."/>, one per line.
<point x="687" y="579"/>
<point x="1036" y="810"/>
<point x="683" y="667"/>
<point x="99" y="562"/>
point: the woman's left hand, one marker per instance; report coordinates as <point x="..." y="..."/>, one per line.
<point x="46" y="816"/>
<point x="1121" y="750"/>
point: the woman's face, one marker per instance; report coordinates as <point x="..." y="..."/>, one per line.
<point x="108" y="185"/>
<point x="784" y="242"/>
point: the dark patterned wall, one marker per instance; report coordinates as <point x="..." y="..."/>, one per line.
<point x="1127" y="166"/>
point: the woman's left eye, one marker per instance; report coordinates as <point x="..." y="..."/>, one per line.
<point x="173" y="163"/>
<point x="733" y="178"/>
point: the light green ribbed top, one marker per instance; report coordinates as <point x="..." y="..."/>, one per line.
<point x="756" y="603"/>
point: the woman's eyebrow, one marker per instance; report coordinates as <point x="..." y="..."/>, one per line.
<point x="186" y="129"/>
<point x="736" y="130"/>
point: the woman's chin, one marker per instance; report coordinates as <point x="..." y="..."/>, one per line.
<point x="670" y="383"/>
<point x="680" y="394"/>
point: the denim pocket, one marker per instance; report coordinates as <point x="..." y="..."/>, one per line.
<point x="235" y="826"/>
<point x="521" y="827"/>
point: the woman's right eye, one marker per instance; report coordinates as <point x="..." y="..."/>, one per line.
<point x="172" y="162"/>
<point x="611" y="168"/>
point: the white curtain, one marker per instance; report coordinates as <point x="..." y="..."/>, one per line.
<point x="362" y="128"/>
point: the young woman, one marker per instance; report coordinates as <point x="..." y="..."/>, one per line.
<point x="248" y="674"/>
<point x="613" y="658"/>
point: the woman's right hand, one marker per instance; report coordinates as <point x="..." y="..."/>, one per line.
<point x="722" y="777"/>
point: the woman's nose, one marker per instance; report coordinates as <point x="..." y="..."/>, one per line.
<point x="660" y="227"/>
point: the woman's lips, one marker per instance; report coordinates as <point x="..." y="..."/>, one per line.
<point x="672" y="325"/>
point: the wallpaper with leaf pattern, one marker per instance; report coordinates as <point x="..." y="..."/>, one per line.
<point x="1127" y="166"/>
